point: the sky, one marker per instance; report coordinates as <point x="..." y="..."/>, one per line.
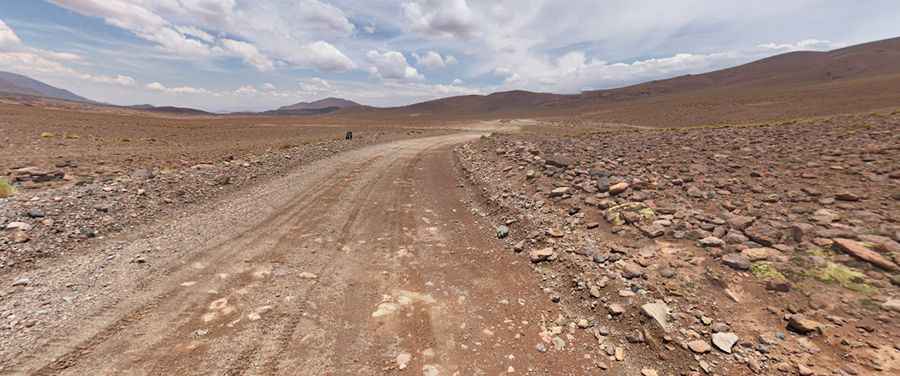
<point x="238" y="55"/>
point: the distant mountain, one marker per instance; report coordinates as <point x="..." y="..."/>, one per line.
<point x="321" y="104"/>
<point x="171" y="110"/>
<point x="17" y="84"/>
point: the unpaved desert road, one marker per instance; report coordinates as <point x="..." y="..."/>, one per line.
<point x="366" y="263"/>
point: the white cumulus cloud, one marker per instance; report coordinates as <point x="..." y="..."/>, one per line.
<point x="249" y="53"/>
<point x="392" y="65"/>
<point x="156" y="86"/>
<point x="445" y="18"/>
<point x="7" y="36"/>
<point x="434" y="60"/>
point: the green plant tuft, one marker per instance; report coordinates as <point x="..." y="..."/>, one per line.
<point x="6" y="189"/>
<point x="843" y="276"/>
<point x="766" y="271"/>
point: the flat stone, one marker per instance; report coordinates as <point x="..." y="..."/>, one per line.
<point x="558" y="161"/>
<point x="759" y="254"/>
<point x="659" y="312"/>
<point x="740" y="222"/>
<point x="762" y="234"/>
<point x="803" y="326"/>
<point x="561" y="191"/>
<point x="858" y="250"/>
<point x="891" y="305"/>
<point x="618" y="188"/>
<point x="724" y="341"/>
<point x="541" y="255"/>
<point x="699" y="346"/>
<point x="847" y="196"/>
<point x="18" y="226"/>
<point x="736" y="261"/>
<point x="652" y="230"/>
<point x="711" y="241"/>
<point x="631" y="270"/>
<point x="616" y="309"/>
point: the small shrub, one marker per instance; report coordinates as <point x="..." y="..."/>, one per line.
<point x="844" y="276"/>
<point x="6" y="189"/>
<point x="765" y="271"/>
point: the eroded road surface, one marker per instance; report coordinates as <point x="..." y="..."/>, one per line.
<point x="366" y="263"/>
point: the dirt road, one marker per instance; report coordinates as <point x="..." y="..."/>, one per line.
<point x="366" y="263"/>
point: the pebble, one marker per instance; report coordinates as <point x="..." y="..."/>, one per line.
<point x="502" y="231"/>
<point x="699" y="346"/>
<point x="616" y="309"/>
<point x="22" y="226"/>
<point x="541" y="255"/>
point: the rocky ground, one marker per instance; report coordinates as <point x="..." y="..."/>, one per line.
<point x="78" y="177"/>
<point x="766" y="249"/>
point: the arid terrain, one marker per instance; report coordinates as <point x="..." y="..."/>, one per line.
<point x="727" y="227"/>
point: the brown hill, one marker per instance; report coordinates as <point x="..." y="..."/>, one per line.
<point x="173" y="110"/>
<point x="12" y="84"/>
<point x="796" y="84"/>
<point x="330" y="102"/>
<point x="793" y="68"/>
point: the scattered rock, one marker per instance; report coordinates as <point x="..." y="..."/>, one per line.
<point x="559" y="192"/>
<point x="541" y="255"/>
<point x="724" y="341"/>
<point x="616" y="309"/>
<point x="763" y="234"/>
<point x="859" y="250"/>
<point x="659" y="312"/>
<point x="618" y="188"/>
<point x="21" y="226"/>
<point x="847" y="196"/>
<point x="711" y="241"/>
<point x="891" y="305"/>
<point x="502" y="231"/>
<point x="736" y="261"/>
<point x="699" y="346"/>
<point x="631" y="270"/>
<point x="803" y="326"/>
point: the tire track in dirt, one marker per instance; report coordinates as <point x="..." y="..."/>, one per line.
<point x="383" y="230"/>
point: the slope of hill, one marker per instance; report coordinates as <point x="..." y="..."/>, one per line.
<point x="17" y="84"/>
<point x="793" y="68"/>
<point x="796" y="84"/>
<point x="171" y="110"/>
<point x="330" y="102"/>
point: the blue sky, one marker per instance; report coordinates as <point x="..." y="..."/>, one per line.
<point x="223" y="55"/>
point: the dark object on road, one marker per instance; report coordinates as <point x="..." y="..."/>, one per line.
<point x="348" y="136"/>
